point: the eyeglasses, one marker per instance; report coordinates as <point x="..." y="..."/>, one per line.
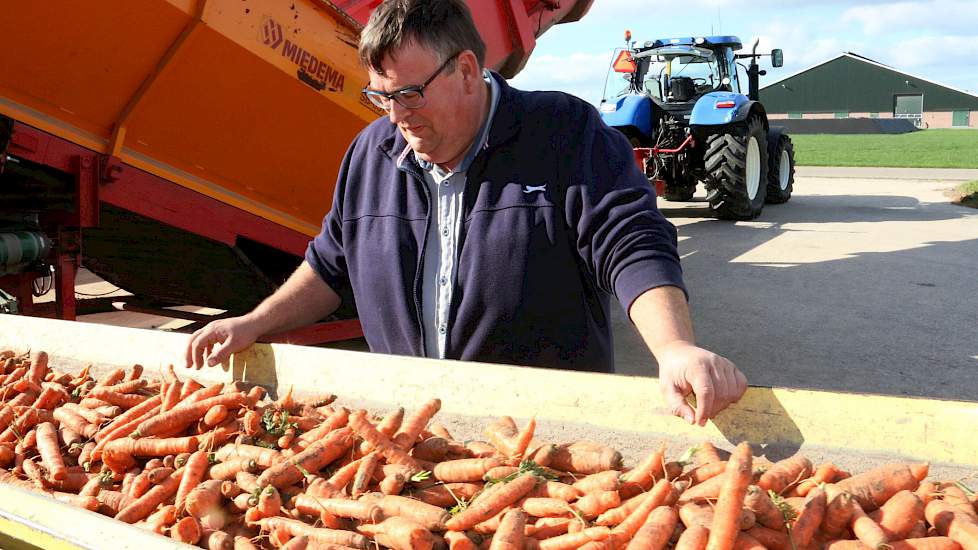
<point x="409" y="97"/>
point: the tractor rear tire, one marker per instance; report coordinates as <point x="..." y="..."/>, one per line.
<point x="736" y="164"/>
<point x="781" y="169"/>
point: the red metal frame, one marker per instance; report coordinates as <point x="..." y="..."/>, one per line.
<point x="108" y="180"/>
<point x="642" y="155"/>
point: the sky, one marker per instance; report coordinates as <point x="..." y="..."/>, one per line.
<point x="933" y="39"/>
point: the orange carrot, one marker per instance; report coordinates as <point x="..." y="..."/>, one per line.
<point x="447" y="495"/>
<point x="159" y="520"/>
<point x="593" y="504"/>
<point x="187" y="530"/>
<point x="484" y="508"/>
<point x="335" y="484"/>
<point x="544" y="528"/>
<point x="269" y="502"/>
<point x="186" y="413"/>
<point x="603" y="481"/>
<point x="171" y="396"/>
<point x="411" y="428"/>
<point x="227" y="470"/>
<point x="142" y="507"/>
<point x="50" y="449"/>
<point x="571" y="541"/>
<point x="874" y="487"/>
<point x="311" y="460"/>
<point x="388" y="426"/>
<point x="555" y="489"/>
<point x="693" y="538"/>
<point x="124" y="400"/>
<point x="705" y="471"/>
<point x="457" y="540"/>
<point x="772" y="539"/>
<point x="426" y="515"/>
<point x="154" y="447"/>
<point x="585" y="457"/>
<point x="767" y="514"/>
<point x="956" y="497"/>
<point x="641" y="477"/>
<point x="464" y="469"/>
<point x="321" y="536"/>
<point x="523" y="439"/>
<point x="737" y="478"/>
<point x="866" y="530"/>
<point x="708" y="490"/>
<point x="193" y="473"/>
<point x="399" y="534"/>
<point x="265" y="458"/>
<point x="656" y="531"/>
<point x="809" y="519"/>
<point x="129" y="416"/>
<point x="204" y="498"/>
<point x="394" y="454"/>
<point x="950" y="522"/>
<point x="546" y="507"/>
<point x="70" y="419"/>
<point x="785" y="474"/>
<point x="899" y="515"/>
<point x="838" y="511"/>
<point x="825" y="473"/>
<point x="364" y="474"/>
<point x="510" y="534"/>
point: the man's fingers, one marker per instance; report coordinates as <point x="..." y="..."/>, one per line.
<point x="221" y="352"/>
<point x="727" y="388"/>
<point x="678" y="405"/>
<point x="705" y="393"/>
<point x="200" y="345"/>
<point x="741" y="384"/>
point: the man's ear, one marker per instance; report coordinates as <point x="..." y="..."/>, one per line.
<point x="468" y="64"/>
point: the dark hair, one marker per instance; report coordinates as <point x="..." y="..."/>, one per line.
<point x="444" y="26"/>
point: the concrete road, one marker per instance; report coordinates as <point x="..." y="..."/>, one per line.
<point x="857" y="284"/>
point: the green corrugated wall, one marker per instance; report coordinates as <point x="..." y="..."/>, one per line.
<point x="849" y="84"/>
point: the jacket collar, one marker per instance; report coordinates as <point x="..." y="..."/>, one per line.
<point x="505" y="125"/>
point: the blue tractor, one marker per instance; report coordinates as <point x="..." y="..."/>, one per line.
<point x="679" y="101"/>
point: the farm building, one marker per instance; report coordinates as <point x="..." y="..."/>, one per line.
<point x="853" y="86"/>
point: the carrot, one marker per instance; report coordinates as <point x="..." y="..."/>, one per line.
<point x="190" y="387"/>
<point x="809" y="519"/>
<point x="437" y="449"/>
<point x="585" y="457"/>
<point x="392" y="452"/>
<point x="766" y="512"/>
<point x="130" y="415"/>
<point x="556" y="489"/>
<point x="641" y="477"/>
<point x="546" y="507"/>
<point x="458" y="541"/>
<point x="511" y="532"/>
<point x="899" y="515"/>
<point x="523" y="439"/>
<point x="948" y="521"/>
<point x="39" y="367"/>
<point x="70" y="419"/>
<point x="187" y="530"/>
<point x="928" y="491"/>
<point x="47" y="445"/>
<point x="737" y="478"/>
<point x="771" y="538"/>
<point x="426" y="515"/>
<point x="484" y="508"/>
<point x="571" y="541"/>
<point x="193" y="473"/>
<point x="656" y="531"/>
<point x="328" y="510"/>
<point x="227" y="470"/>
<point x="708" y="490"/>
<point x="704" y="472"/>
<point x="393" y="483"/>
<point x="144" y="505"/>
<point x="269" y="502"/>
<point x="825" y="473"/>
<point x="159" y="520"/>
<point x="785" y="474"/>
<point x="399" y="534"/>
<point x="593" y="504"/>
<point x="154" y="447"/>
<point x="186" y="413"/>
<point x="447" y="494"/>
<point x="956" y="497"/>
<point x="838" y="512"/>
<point x="297" y="543"/>
<point x="265" y="458"/>
<point x="124" y="400"/>
<point x="464" y="469"/>
<point x="411" y="428"/>
<point x="603" y="481"/>
<point x="335" y="484"/>
<point x="365" y="473"/>
<point x="545" y="528"/>
<point x="871" y="489"/>
<point x="311" y="460"/>
<point x="865" y="529"/>
<point x="321" y="536"/>
<point x="693" y="538"/>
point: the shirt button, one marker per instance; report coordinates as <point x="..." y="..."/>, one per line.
<point x="443" y="280"/>
<point x="442" y="329"/>
<point x="444" y="232"/>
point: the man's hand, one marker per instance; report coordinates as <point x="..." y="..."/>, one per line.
<point x="214" y="344"/>
<point x="715" y="381"/>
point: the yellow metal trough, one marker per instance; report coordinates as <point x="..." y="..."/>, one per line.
<point x="611" y="408"/>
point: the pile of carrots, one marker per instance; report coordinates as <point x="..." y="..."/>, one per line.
<point x="223" y="467"/>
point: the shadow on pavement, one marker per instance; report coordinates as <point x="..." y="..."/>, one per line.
<point x="869" y="294"/>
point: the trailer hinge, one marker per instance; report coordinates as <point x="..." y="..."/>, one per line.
<point x="6" y="135"/>
<point x="109" y="168"/>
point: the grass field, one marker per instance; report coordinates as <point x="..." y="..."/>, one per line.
<point x="924" y="149"/>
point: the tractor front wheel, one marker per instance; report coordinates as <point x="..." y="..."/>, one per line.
<point x="736" y="164"/>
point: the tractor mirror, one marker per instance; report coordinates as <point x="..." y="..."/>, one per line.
<point x="777" y="58"/>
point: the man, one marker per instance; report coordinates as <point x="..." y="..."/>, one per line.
<point x="479" y="222"/>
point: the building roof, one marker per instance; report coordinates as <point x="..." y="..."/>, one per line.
<point x="871" y="62"/>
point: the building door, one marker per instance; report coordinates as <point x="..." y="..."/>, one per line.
<point x="909" y="106"/>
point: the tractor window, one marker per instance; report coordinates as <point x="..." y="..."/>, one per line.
<point x="734" y="75"/>
<point x="703" y="70"/>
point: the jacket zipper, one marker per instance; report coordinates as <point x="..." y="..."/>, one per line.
<point x="419" y="267"/>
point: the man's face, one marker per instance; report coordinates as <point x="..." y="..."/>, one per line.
<point x="441" y="130"/>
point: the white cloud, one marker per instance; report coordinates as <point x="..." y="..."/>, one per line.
<point x="951" y="16"/>
<point x="581" y="74"/>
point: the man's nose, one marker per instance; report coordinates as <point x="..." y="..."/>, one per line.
<point x="397" y="112"/>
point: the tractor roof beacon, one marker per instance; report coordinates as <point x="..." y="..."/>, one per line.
<point x="680" y="103"/>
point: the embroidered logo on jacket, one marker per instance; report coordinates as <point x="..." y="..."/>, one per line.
<point x="534" y="188"/>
